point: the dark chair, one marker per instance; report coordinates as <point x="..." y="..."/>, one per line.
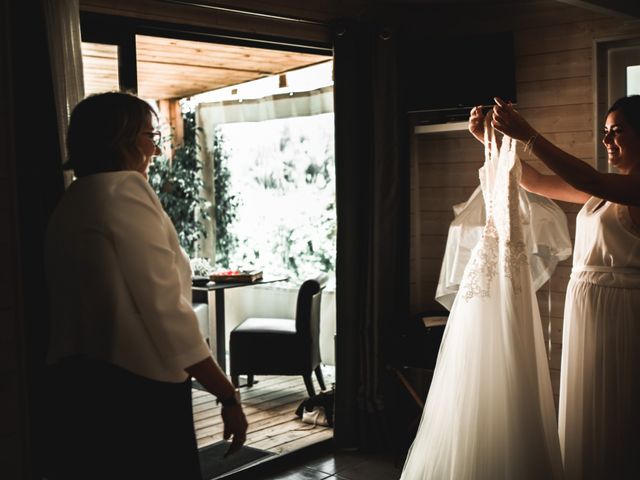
<point x="282" y="346"/>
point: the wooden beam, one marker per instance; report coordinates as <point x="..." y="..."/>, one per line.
<point x="608" y="7"/>
<point x="171" y="125"/>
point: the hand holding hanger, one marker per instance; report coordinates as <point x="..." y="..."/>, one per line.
<point x="508" y="121"/>
<point x="476" y="120"/>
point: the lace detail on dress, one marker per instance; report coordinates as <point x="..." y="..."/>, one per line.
<point x="515" y="257"/>
<point x="501" y="248"/>
<point x="624" y="217"/>
<point x="483" y="266"/>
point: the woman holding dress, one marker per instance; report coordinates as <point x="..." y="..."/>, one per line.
<point x="599" y="417"/>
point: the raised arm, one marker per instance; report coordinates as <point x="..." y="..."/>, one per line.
<point x="581" y="180"/>
<point x="551" y="186"/>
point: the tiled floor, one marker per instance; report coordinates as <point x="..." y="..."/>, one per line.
<point x="339" y="466"/>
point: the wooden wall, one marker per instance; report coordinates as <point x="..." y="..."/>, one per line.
<point x="554" y="48"/>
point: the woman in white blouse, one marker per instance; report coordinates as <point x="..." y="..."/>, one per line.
<point x="124" y="339"/>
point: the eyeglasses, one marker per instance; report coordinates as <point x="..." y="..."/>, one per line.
<point x="155" y="136"/>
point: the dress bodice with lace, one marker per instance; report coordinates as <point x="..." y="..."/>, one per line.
<point x="545" y="230"/>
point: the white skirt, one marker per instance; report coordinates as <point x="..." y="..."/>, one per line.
<point x="599" y="417"/>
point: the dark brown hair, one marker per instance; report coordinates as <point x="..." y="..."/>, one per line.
<point x="630" y="108"/>
<point x="103" y="131"/>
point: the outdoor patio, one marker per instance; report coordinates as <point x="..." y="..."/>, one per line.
<point x="270" y="409"/>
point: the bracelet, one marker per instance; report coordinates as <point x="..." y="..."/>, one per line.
<point x="230" y="401"/>
<point x="528" y="147"/>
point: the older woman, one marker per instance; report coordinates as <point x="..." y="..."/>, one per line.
<point x="125" y="340"/>
<point x="599" y="418"/>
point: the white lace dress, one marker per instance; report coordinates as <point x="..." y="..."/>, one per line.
<point x="546" y="234"/>
<point x="599" y="414"/>
<point x="489" y="414"/>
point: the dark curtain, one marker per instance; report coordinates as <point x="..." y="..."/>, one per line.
<point x="372" y="201"/>
<point x="39" y="184"/>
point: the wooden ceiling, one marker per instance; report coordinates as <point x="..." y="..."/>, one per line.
<point x="170" y="68"/>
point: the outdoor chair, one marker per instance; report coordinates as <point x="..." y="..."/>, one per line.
<point x="282" y="346"/>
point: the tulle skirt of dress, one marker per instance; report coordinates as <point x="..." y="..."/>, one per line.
<point x="599" y="414"/>
<point x="489" y="413"/>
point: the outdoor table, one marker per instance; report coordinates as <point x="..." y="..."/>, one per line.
<point x="201" y="294"/>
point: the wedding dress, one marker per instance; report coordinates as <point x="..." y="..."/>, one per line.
<point x="546" y="235"/>
<point x="489" y="413"/>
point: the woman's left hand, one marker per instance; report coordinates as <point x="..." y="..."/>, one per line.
<point x="235" y="427"/>
<point x="476" y="123"/>
<point x="508" y="121"/>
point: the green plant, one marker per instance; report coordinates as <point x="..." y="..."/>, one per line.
<point x="226" y="204"/>
<point x="178" y="184"/>
<point x="287" y="222"/>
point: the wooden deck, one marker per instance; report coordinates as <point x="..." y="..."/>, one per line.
<point x="270" y="409"/>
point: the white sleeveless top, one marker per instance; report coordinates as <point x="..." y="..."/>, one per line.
<point x="606" y="237"/>
<point x="607" y="245"/>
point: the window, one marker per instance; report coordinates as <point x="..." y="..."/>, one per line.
<point x="618" y="74"/>
<point x="633" y="80"/>
<point x="275" y="137"/>
<point x="282" y="172"/>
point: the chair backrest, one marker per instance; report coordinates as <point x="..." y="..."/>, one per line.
<point x="308" y="307"/>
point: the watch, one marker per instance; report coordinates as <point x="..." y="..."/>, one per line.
<point x="232" y="400"/>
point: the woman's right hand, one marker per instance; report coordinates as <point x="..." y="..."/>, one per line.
<point x="476" y="123"/>
<point x="508" y="121"/>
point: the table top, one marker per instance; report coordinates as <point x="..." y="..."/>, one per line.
<point x="223" y="285"/>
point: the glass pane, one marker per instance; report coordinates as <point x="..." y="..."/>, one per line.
<point x="633" y="80"/>
<point x="283" y="172"/>
<point x="100" y="67"/>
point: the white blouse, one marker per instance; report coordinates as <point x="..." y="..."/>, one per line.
<point x="119" y="282"/>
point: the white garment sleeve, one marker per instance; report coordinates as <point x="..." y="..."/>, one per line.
<point x="146" y="247"/>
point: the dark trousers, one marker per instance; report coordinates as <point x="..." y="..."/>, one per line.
<point x="104" y="422"/>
